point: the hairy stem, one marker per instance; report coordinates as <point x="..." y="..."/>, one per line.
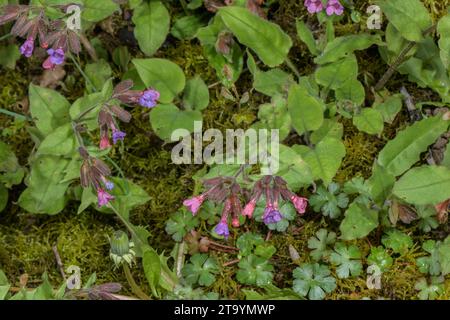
<point x="134" y="287"/>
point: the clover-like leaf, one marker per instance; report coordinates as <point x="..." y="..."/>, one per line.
<point x="430" y="291"/>
<point x="201" y="270"/>
<point x="329" y="202"/>
<point x="427" y="216"/>
<point x="398" y="241"/>
<point x="379" y="257"/>
<point x="254" y="270"/>
<point x="247" y="242"/>
<point x="313" y="280"/>
<point x="180" y="223"/>
<point x="320" y="244"/>
<point x="347" y="260"/>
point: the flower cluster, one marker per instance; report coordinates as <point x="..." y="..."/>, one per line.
<point x="227" y="191"/>
<point x="332" y="7"/>
<point x="95" y="172"/>
<point x="32" y="24"/>
<point x="109" y="112"/>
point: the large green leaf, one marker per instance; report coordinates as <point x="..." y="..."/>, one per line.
<point x="48" y="108"/>
<point x="60" y="142"/>
<point x="404" y="150"/>
<point x="306" y="110"/>
<point x="342" y="46"/>
<point x="267" y="39"/>
<point x="152" y="22"/>
<point x="165" y="118"/>
<point x="335" y="75"/>
<point x="325" y="159"/>
<point x="45" y="192"/>
<point x="94" y="10"/>
<point x="410" y="17"/>
<point x="305" y="35"/>
<point x="196" y="94"/>
<point x="162" y="75"/>
<point x="443" y="29"/>
<point x="424" y="185"/>
<point x="275" y="115"/>
<point x="358" y="222"/>
<point x="152" y="268"/>
<point x="369" y="120"/>
<point x="11" y="172"/>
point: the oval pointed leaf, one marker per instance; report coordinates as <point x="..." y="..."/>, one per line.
<point x="306" y="110"/>
<point x="267" y="39"/>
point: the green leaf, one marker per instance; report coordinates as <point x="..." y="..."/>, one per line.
<point x="60" y="142"/>
<point x="444" y="256"/>
<point x="345" y="45"/>
<point x="430" y="264"/>
<point x="92" y="102"/>
<point x="313" y="280"/>
<point x="358" y="222"/>
<point x="201" y="270"/>
<point x="162" y="75"/>
<point x="267" y="39"/>
<point x="98" y="73"/>
<point x="272" y="82"/>
<point x="45" y="192"/>
<point x="335" y="75"/>
<point x="430" y="291"/>
<point x="369" y="121"/>
<point x="305" y="35"/>
<point x="352" y="90"/>
<point x="49" y="109"/>
<point x="379" y="257"/>
<point x="306" y="110"/>
<point x="186" y="27"/>
<point x="180" y="223"/>
<point x="152" y="268"/>
<point x="398" y="241"/>
<point x="196" y="94"/>
<point x="325" y="159"/>
<point x="275" y="115"/>
<point x="320" y="244"/>
<point x="152" y="22"/>
<point x="9" y="55"/>
<point x="347" y="260"/>
<point x="247" y="242"/>
<point x="404" y="150"/>
<point x="11" y="172"/>
<point x="330" y="128"/>
<point x="165" y="118"/>
<point x="424" y="185"/>
<point x="329" y="202"/>
<point x="410" y="17"/>
<point x="443" y="29"/>
<point x="389" y="108"/>
<point x="94" y="10"/>
<point x="380" y="184"/>
<point x="254" y="270"/>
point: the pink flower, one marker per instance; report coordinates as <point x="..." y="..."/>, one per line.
<point x="249" y="208"/>
<point x="235" y="222"/>
<point x="299" y="203"/>
<point x="103" y="197"/>
<point x="104" y="143"/>
<point x="334" y="7"/>
<point x="193" y="204"/>
<point x="314" y="6"/>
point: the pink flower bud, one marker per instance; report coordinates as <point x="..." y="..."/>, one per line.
<point x="249" y="208"/>
<point x="193" y="204"/>
<point x="299" y="203"/>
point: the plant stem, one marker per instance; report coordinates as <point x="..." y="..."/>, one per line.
<point x="6" y="36"/>
<point x="134" y="287"/>
<point x="14" y="114"/>
<point x="82" y="73"/>
<point x="292" y="67"/>
<point x="90" y="50"/>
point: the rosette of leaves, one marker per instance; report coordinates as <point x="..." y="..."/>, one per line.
<point x="320" y="244"/>
<point x="438" y="260"/>
<point x="329" y="201"/>
<point x="313" y="281"/>
<point x="180" y="223"/>
<point x="201" y="269"/>
<point x="347" y="259"/>
<point x="254" y="267"/>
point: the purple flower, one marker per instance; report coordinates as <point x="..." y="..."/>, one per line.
<point x="271" y="215"/>
<point x="148" y="98"/>
<point x="194" y="203"/>
<point x="118" y="135"/>
<point x="222" y="229"/>
<point x="334" y="7"/>
<point x="27" y="47"/>
<point x="314" y="6"/>
<point x="56" y="56"/>
<point x="109" y="185"/>
<point x="103" y="197"/>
